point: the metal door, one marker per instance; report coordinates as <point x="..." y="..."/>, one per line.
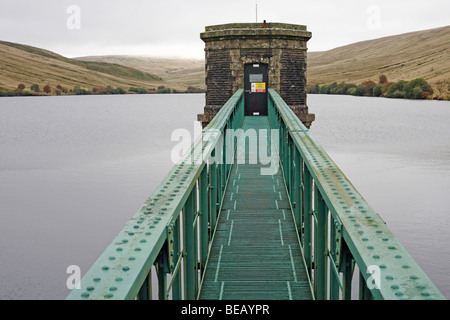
<point x="255" y="85"/>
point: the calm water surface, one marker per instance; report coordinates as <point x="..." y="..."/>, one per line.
<point x="73" y="170"/>
<point x="397" y="155"/>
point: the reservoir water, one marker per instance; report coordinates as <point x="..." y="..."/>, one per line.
<point x="74" y="169"/>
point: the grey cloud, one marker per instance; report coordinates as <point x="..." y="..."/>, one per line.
<point x="135" y="26"/>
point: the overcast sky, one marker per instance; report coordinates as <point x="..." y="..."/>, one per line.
<point x="172" y="27"/>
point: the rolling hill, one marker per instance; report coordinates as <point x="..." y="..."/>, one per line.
<point x="175" y="71"/>
<point x="29" y="65"/>
<point x="423" y="54"/>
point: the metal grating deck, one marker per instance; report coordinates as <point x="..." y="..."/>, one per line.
<point x="255" y="254"/>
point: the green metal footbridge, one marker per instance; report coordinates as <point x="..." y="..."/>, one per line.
<point x="257" y="210"/>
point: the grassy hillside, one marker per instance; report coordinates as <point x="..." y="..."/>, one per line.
<point x="423" y="54"/>
<point x="176" y="72"/>
<point x="29" y="65"/>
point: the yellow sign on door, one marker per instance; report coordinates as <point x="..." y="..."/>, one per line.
<point x="259" y="87"/>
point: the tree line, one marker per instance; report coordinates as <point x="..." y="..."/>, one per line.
<point x="415" y="89"/>
<point x="46" y="90"/>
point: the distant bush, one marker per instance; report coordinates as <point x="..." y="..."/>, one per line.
<point x="352" y="91"/>
<point x="21" y="87"/>
<point x="7" y="93"/>
<point x="192" y="89"/>
<point x="19" y="91"/>
<point x="138" y="90"/>
<point x="120" y="90"/>
<point x="62" y="89"/>
<point x="110" y="90"/>
<point x="316" y="89"/>
<point x="35" y="88"/>
<point x="383" y="79"/>
<point x="377" y="90"/>
<point x="97" y="90"/>
<point x="80" y="91"/>
<point x="396" y="90"/>
<point x="47" y="89"/>
<point x="324" y="89"/>
<point x="368" y="87"/>
<point x="416" y="93"/>
<point x="398" y="94"/>
<point x="360" y="90"/>
<point x="163" y="89"/>
<point x="334" y="88"/>
<point x="347" y="87"/>
<point x="414" y="89"/>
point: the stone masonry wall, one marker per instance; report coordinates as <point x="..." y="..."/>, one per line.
<point x="293" y="77"/>
<point x="282" y="47"/>
<point x="219" y="79"/>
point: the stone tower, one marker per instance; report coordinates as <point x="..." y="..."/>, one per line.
<point x="229" y="47"/>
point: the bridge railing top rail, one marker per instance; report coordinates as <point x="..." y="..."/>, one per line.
<point x="364" y="231"/>
<point x="120" y="271"/>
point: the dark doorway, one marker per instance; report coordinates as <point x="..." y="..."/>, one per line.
<point x="255" y="85"/>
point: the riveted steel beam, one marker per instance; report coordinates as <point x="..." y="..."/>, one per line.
<point x="371" y="243"/>
<point x="123" y="271"/>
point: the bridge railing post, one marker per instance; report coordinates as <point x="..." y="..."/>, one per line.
<point x="333" y="255"/>
<point x="204" y="213"/>
<point x="346" y="268"/>
<point x="145" y="292"/>
<point x="189" y="249"/>
<point x="213" y="190"/>
<point x="177" y="253"/>
<point x="307" y="230"/>
<point x="297" y="196"/>
<point x="320" y="245"/>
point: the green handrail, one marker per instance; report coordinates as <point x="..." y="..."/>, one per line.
<point x="168" y="239"/>
<point x="337" y="227"/>
<point x="177" y="219"/>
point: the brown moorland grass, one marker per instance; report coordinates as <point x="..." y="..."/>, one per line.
<point x="422" y="54"/>
<point x="175" y="71"/>
<point x="30" y="65"/>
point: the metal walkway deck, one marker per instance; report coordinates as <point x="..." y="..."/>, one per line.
<point x="255" y="253"/>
